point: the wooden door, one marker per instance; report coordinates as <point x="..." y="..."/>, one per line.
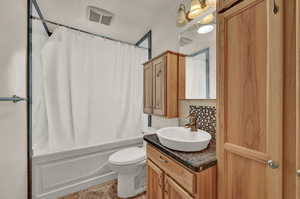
<point x="155" y="178"/>
<point x="174" y="191"/>
<point x="298" y="103"/>
<point x="159" y="86"/>
<point x="148" y="90"/>
<point x="250" y="82"/>
<point x="223" y="4"/>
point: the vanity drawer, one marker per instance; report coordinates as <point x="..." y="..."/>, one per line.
<point x="182" y="176"/>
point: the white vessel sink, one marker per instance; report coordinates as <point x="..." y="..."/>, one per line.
<point x="183" y="139"/>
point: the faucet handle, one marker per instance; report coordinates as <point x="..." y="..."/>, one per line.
<point x="192" y="115"/>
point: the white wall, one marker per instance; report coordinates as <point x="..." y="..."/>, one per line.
<point x="165" y="37"/>
<point x="164" y="32"/>
<point x="13" y="135"/>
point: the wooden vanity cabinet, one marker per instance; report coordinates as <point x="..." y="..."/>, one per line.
<point x="148" y="88"/>
<point x="161" y="85"/>
<point x="169" y="179"/>
<point x="155" y="181"/>
<point x="174" y="191"/>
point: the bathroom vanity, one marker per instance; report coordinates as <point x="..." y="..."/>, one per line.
<point x="180" y="175"/>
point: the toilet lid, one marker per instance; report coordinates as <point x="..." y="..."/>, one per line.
<point x="128" y="156"/>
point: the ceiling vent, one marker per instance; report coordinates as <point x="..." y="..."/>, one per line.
<point x="99" y="15"/>
<point x="184" y="41"/>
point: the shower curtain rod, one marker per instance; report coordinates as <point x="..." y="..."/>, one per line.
<point x="83" y="31"/>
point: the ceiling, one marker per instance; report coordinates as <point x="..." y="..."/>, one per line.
<point x="132" y="19"/>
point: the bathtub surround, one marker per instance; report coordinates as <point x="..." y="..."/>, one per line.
<point x="62" y="173"/>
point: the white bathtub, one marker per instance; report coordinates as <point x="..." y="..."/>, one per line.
<point x="59" y="174"/>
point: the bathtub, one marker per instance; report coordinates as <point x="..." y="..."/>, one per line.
<point x="61" y="173"/>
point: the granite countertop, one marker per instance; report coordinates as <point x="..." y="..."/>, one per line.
<point x="196" y="161"/>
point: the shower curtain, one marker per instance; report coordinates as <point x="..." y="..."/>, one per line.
<point x="93" y="90"/>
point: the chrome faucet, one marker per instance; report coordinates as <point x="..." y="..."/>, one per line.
<point x="193" y="122"/>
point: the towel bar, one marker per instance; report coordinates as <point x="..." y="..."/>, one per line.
<point x="13" y="99"/>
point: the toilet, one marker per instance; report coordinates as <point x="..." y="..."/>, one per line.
<point x="130" y="165"/>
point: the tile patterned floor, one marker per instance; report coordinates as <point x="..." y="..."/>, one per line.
<point x="104" y="191"/>
<point x="141" y="196"/>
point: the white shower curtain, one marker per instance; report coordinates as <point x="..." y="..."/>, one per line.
<point x="93" y="89"/>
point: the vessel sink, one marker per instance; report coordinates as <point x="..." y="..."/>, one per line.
<point x="183" y="139"/>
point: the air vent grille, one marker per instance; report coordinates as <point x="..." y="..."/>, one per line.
<point x="184" y="41"/>
<point x="106" y="20"/>
<point x="94" y="16"/>
<point x="99" y="15"/>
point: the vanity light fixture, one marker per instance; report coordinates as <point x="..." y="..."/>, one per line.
<point x="181" y="19"/>
<point x="196" y="9"/>
<point x="205" y="29"/>
<point x="211" y="3"/>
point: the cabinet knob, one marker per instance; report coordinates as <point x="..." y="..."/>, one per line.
<point x="272" y="164"/>
<point x="298" y="173"/>
<point x="162" y="159"/>
<point x="158" y="73"/>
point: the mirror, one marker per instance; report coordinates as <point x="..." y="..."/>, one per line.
<point x="197" y="75"/>
<point x="198" y="43"/>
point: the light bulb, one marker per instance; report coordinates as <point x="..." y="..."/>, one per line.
<point x="196" y="9"/>
<point x="207" y="19"/>
<point x="205" y="29"/>
<point x="211" y="3"/>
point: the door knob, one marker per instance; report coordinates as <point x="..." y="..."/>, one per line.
<point x="298" y="173"/>
<point x="275" y="7"/>
<point x="272" y="164"/>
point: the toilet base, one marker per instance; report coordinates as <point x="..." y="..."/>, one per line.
<point x="127" y="184"/>
<point x="126" y="187"/>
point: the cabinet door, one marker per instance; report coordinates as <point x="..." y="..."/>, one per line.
<point x="148" y="91"/>
<point x="298" y="103"/>
<point x="250" y="84"/>
<point x="223" y="4"/>
<point x="174" y="191"/>
<point x="155" y="180"/>
<point x="159" y="86"/>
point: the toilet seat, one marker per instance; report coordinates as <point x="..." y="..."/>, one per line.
<point x="128" y="156"/>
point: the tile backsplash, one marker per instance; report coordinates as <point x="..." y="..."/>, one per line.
<point x="206" y="119"/>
